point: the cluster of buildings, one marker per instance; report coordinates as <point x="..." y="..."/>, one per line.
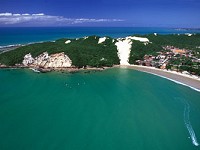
<point x="163" y="58"/>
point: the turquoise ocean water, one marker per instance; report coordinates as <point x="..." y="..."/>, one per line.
<point x="20" y="35"/>
<point x="117" y="109"/>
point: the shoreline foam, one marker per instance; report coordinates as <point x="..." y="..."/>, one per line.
<point x="192" y="82"/>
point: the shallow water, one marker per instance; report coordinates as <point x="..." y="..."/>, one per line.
<point x="110" y="110"/>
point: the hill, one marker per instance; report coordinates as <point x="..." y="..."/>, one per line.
<point x="175" y="52"/>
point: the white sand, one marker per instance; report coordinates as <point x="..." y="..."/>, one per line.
<point x="141" y="39"/>
<point x="101" y="40"/>
<point x="67" y="42"/>
<point x="187" y="80"/>
<point x="188" y="34"/>
<point x="169" y="71"/>
<point x="124" y="47"/>
<point x="85" y="37"/>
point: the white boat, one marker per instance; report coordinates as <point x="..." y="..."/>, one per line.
<point x="35" y="70"/>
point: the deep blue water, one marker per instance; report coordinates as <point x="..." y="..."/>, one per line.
<point x="24" y="35"/>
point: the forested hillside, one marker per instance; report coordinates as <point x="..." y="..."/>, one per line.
<point x="82" y="52"/>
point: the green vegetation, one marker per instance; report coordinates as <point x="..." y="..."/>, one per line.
<point x="82" y="52"/>
<point x="188" y="62"/>
<point x="139" y="49"/>
<point x="157" y="42"/>
<point x="87" y="52"/>
<point x="185" y="64"/>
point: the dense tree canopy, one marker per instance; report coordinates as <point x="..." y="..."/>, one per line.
<point x="82" y="52"/>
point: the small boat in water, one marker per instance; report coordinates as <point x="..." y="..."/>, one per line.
<point x="35" y="70"/>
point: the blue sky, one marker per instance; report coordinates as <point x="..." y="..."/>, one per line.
<point x="142" y="13"/>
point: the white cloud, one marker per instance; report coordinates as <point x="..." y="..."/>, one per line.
<point x="41" y="18"/>
<point x="6" y="14"/>
<point x="16" y="14"/>
<point x="41" y="14"/>
<point x="25" y="14"/>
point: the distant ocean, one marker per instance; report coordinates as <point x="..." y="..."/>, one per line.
<point x="24" y="35"/>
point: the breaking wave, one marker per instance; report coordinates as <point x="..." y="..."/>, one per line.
<point x="9" y="46"/>
<point x="198" y="90"/>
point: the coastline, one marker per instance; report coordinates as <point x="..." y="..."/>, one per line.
<point x="177" y="77"/>
<point x="8" y="48"/>
<point x="190" y="81"/>
<point x="62" y="69"/>
<point x="187" y="80"/>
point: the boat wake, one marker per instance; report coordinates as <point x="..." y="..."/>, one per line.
<point x="188" y="123"/>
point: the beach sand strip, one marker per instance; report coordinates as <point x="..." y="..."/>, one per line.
<point x="186" y="80"/>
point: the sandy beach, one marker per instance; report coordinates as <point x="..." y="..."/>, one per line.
<point x="8" y="48"/>
<point x="186" y="80"/>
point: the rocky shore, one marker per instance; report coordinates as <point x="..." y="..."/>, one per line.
<point x="189" y="81"/>
<point x="58" y="69"/>
<point x="45" y="70"/>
